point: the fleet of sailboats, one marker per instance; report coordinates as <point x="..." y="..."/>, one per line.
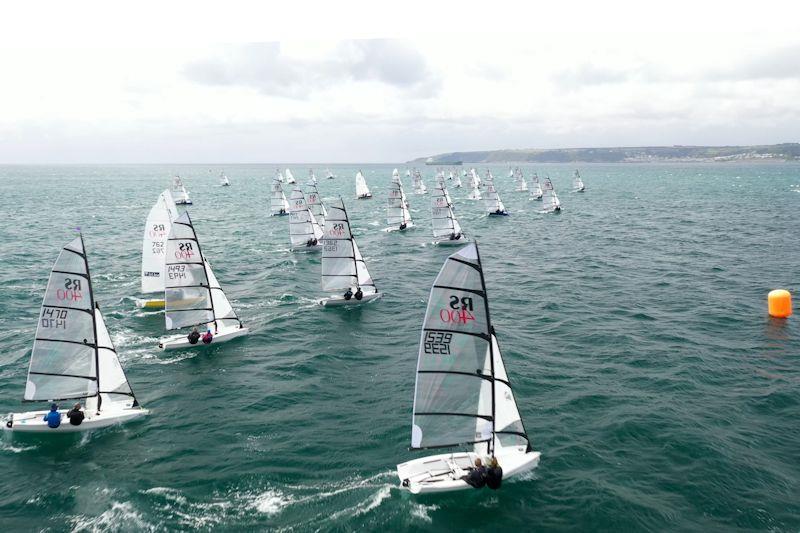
<point x="193" y="296"/>
<point x="362" y="191"/>
<point x="156" y="229"/>
<point x="463" y="397"/>
<point x="343" y="266"/>
<point x="73" y="357"/>
<point x="462" y="401"/>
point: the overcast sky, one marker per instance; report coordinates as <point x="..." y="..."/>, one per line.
<point x="388" y="99"/>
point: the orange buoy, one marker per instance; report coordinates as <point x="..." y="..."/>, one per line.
<point x="780" y="303"/>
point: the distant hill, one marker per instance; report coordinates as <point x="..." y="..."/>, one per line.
<point x="779" y="152"/>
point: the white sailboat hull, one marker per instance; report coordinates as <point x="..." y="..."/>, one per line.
<point x="442" y="473"/>
<point x="183" y="202"/>
<point x="338" y="300"/>
<point x="364" y="196"/>
<point x="306" y="248"/>
<point x="179" y="342"/>
<point x="390" y="229"/>
<point x="452" y="242"/>
<point x="33" y="421"/>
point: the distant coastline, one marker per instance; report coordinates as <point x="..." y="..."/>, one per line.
<point x="642" y="154"/>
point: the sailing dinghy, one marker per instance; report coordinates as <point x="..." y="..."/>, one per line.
<point x="474" y="183"/>
<point x="330" y="175"/>
<point x="457" y="181"/>
<point x="289" y="177"/>
<point x="73" y="357"/>
<point x="397" y="214"/>
<point x="224" y="181"/>
<point x="536" y="189"/>
<point x="446" y="229"/>
<point x="463" y="397"/>
<point x="419" y="185"/>
<point x="304" y="230"/>
<point x="315" y="204"/>
<point x="156" y="231"/>
<point x="550" y="202"/>
<point x="179" y="193"/>
<point x="519" y="178"/>
<point x="192" y="293"/>
<point x="312" y="179"/>
<point x="362" y="191"/>
<point x="494" y="205"/>
<point x="577" y="182"/>
<point x="278" y="206"/>
<point x="343" y="267"/>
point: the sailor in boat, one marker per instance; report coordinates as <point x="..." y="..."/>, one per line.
<point x="53" y="418"/>
<point x="494" y="474"/>
<point x="194" y="336"/>
<point x="75" y="415"/>
<point x="455" y="237"/>
<point x="477" y="475"/>
<point x="348" y="294"/>
<point x="359" y="294"/>
<point x="208" y="337"/>
<point x="311" y="242"/>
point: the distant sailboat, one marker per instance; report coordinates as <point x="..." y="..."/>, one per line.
<point x="362" y="191"/>
<point x="550" y="202"/>
<point x="289" y="177"/>
<point x="457" y="181"/>
<point x="519" y="179"/>
<point x="193" y="295"/>
<point x="304" y="230"/>
<point x="312" y="179"/>
<point x="179" y="193"/>
<point x="329" y="174"/>
<point x="419" y="185"/>
<point x="156" y="230"/>
<point x="474" y="183"/>
<point x="343" y="267"/>
<point x="494" y="206"/>
<point x="397" y="214"/>
<point x="536" y="189"/>
<point x="73" y="357"/>
<point x="315" y="204"/>
<point x="446" y="229"/>
<point x="577" y="182"/>
<point x="463" y="396"/>
<point x="224" y="181"/>
<point x="278" y="206"/>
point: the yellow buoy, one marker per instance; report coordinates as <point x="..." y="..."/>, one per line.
<point x="780" y="303"/>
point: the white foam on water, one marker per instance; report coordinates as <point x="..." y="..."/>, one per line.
<point x="272" y="502"/>
<point x="366" y="506"/>
<point x="120" y="513"/>
<point x="8" y="447"/>
<point x="421" y="511"/>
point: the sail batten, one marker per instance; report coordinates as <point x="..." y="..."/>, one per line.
<point x="343" y="266"/>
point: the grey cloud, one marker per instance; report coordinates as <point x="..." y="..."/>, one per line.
<point x="263" y="67"/>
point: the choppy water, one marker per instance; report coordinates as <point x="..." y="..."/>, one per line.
<point x="633" y="326"/>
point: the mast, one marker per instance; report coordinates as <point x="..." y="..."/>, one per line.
<point x="352" y="244"/>
<point x="94" y="325"/>
<point x="490" y="444"/>
<point x="205" y="271"/>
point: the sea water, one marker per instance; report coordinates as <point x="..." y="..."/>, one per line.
<point x="633" y="327"/>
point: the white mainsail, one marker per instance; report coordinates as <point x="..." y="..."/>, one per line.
<point x="462" y="395"/>
<point x="519" y="178"/>
<point x="362" y="191"/>
<point x="419" y="185"/>
<point x="445" y="223"/>
<point x="156" y="231"/>
<point x="343" y="267"/>
<point x="536" y="189"/>
<point x="289" y="177"/>
<point x="223" y="180"/>
<point x="397" y="214"/>
<point x="193" y="296"/>
<point x="73" y="356"/>
<point x="494" y="206"/>
<point x="550" y="201"/>
<point x="304" y="230"/>
<point x="277" y="200"/>
<point x="315" y="204"/>
<point x="329" y="174"/>
<point x="577" y="182"/>
<point x="457" y="181"/>
<point x="474" y="183"/>
<point x="179" y="193"/>
<point x="312" y="179"/>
